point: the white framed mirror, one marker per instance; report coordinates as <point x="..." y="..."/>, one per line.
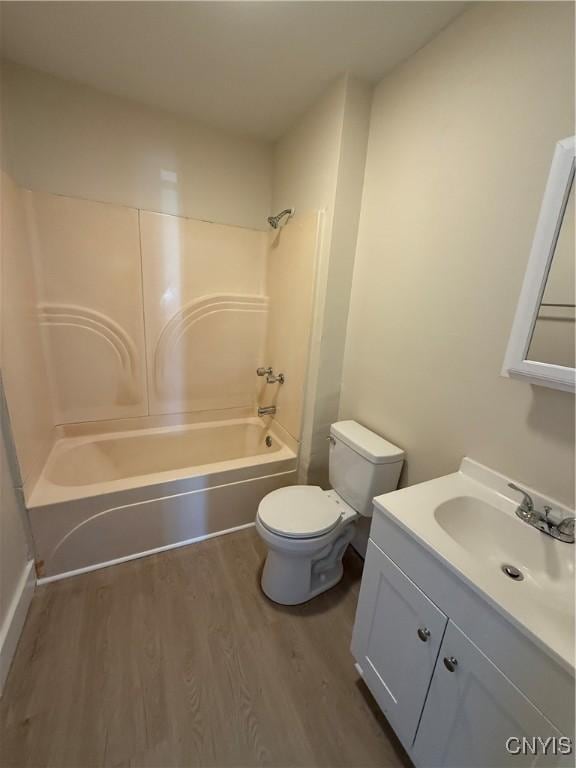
<point x="542" y="343"/>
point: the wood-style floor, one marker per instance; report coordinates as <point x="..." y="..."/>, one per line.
<point x="179" y="660"/>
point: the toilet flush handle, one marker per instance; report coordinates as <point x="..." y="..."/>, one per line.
<point x="331" y="440"/>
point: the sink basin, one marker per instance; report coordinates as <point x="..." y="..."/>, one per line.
<point x="477" y="526"/>
<point x="468" y="521"/>
<point x="497" y="538"/>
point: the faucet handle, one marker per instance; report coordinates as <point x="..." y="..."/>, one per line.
<point x="263" y="371"/>
<point x="527" y="505"/>
<point x="567" y="525"/>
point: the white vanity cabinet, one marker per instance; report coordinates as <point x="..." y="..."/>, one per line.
<point x="396" y="640"/>
<point x="449" y="704"/>
<point x="472" y="709"/>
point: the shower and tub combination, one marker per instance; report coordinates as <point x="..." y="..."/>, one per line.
<point x="107" y="497"/>
<point x="185" y="442"/>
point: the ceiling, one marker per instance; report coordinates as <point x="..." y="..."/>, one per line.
<point x="251" y="67"/>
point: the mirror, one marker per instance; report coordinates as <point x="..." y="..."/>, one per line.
<point x="553" y="338"/>
<point x="542" y="345"/>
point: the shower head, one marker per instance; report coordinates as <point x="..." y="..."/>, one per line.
<point x="275" y="221"/>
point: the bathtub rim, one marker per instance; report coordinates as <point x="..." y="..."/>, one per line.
<point x="45" y="493"/>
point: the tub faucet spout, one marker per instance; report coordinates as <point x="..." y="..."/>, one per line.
<point x="267" y="410"/>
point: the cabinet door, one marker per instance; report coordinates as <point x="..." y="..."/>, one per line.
<point x="397" y="635"/>
<point x="472" y="709"/>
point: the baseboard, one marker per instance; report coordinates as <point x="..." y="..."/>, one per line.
<point x="14" y="621"/>
<point x="138" y="555"/>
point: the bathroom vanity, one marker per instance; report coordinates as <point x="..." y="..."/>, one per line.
<point x="464" y="631"/>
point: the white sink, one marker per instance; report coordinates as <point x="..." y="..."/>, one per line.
<point x="498" y="539"/>
<point x="468" y="520"/>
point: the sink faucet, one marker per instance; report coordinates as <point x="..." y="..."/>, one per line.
<point x="526" y="511"/>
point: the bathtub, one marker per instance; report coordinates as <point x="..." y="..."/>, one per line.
<point x="105" y="498"/>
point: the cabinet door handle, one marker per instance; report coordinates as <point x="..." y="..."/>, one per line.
<point x="450" y="663"/>
<point x="423" y="633"/>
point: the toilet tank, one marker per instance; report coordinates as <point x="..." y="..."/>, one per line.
<point x="362" y="465"/>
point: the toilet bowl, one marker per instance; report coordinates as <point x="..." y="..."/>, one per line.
<point x="304" y="548"/>
<point x="307" y="529"/>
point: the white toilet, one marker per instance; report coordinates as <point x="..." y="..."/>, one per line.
<point x="307" y="529"/>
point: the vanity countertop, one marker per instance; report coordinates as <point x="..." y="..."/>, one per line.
<point x="467" y="520"/>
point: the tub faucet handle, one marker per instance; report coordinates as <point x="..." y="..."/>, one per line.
<point x="264" y="371"/>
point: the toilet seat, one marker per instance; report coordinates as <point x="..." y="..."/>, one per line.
<point x="299" y="512"/>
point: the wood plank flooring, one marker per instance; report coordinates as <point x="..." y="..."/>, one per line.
<point x="179" y="660"/>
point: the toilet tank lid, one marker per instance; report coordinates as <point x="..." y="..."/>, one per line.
<point x="366" y="443"/>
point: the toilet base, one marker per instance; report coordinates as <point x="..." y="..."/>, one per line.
<point x="289" y="579"/>
<point x="279" y="594"/>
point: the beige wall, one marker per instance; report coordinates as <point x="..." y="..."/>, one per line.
<point x="305" y="162"/>
<point x="14" y="549"/>
<point x="319" y="166"/>
<point x="349" y="183"/>
<point x="461" y="140"/>
<point x="73" y="140"/>
<point x="19" y="343"/>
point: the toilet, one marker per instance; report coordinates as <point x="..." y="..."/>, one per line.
<point x="307" y="529"/>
